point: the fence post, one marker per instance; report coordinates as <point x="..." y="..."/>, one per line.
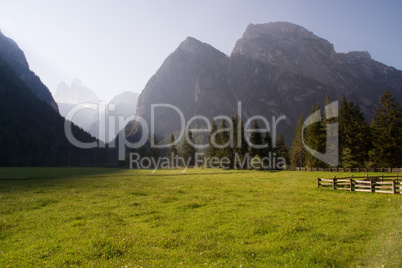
<point x="351" y="182"/>
<point x="371" y="186"/>
<point x="382" y="177"/>
<point x="318" y="182"/>
<point x="334" y="183"/>
<point x="393" y="187"/>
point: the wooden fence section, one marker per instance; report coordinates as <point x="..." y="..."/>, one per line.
<point x="372" y="184"/>
<point x="365" y="170"/>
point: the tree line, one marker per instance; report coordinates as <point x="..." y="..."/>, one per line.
<point x="235" y="146"/>
<point x="374" y="145"/>
<point x="360" y="144"/>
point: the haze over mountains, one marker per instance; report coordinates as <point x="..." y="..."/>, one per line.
<point x="31" y="128"/>
<point x="274" y="69"/>
<point x="87" y="118"/>
<point x="14" y="57"/>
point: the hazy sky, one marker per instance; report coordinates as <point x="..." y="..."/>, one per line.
<point x="114" y="46"/>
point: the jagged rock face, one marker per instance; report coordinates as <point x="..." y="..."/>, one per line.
<point x="194" y="79"/>
<point x="14" y="57"/>
<point x="76" y="94"/>
<point x="124" y="105"/>
<point x="282" y="69"/>
<point x="274" y="69"/>
<point x="90" y="119"/>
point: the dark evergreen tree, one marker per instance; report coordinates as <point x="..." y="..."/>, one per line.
<point x="256" y="141"/>
<point x="354" y="135"/>
<point x="153" y="151"/>
<point x="282" y="150"/>
<point x="387" y="130"/>
<point x="268" y="150"/>
<point x="211" y="150"/>
<point x="315" y="137"/>
<point x="344" y="119"/>
<point x="188" y="153"/>
<point x="298" y="153"/>
<point x="331" y="131"/>
<point x="172" y="152"/>
<point x="240" y="145"/>
<point x="223" y="141"/>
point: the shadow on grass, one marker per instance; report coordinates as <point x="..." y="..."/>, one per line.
<point x="24" y="173"/>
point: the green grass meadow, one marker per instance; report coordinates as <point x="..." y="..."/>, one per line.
<point x="56" y="217"/>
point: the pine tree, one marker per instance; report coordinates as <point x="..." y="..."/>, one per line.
<point x="344" y="120"/>
<point x="188" y="150"/>
<point x="211" y="150"/>
<point x="387" y="127"/>
<point x="354" y="135"/>
<point x="330" y="134"/>
<point x="315" y="138"/>
<point x="223" y="140"/>
<point x="153" y="152"/>
<point x="172" y="151"/>
<point x="240" y="145"/>
<point x="255" y="140"/>
<point x="281" y="149"/>
<point x="298" y="153"/>
<point x="268" y="150"/>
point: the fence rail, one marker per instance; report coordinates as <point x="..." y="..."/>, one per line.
<point x="372" y="184"/>
<point x="365" y="170"/>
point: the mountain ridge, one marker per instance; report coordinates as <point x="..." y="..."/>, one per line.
<point x="274" y="69"/>
<point x="16" y="60"/>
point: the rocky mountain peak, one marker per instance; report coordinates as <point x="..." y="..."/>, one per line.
<point x="275" y="69"/>
<point x="15" y="58"/>
<point x="77" y="93"/>
<point x="193" y="46"/>
<point x="277" y="42"/>
<point x="281" y="30"/>
<point x="358" y="54"/>
<point x="11" y="53"/>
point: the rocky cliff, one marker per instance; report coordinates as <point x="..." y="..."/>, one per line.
<point x="274" y="69"/>
<point x="14" y="57"/>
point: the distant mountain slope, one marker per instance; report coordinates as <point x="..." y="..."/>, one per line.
<point x="31" y="132"/>
<point x="124" y="104"/>
<point x="77" y="94"/>
<point x="193" y="78"/>
<point x="274" y="69"/>
<point x="14" y="57"/>
<point x="74" y="94"/>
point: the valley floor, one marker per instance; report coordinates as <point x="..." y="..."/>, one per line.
<point x="57" y="217"/>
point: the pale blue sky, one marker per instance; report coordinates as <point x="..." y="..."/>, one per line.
<point x="114" y="46"/>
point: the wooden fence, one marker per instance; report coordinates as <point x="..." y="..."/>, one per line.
<point x="372" y="184"/>
<point x="350" y="170"/>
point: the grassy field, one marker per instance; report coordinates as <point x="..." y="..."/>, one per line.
<point x="131" y="218"/>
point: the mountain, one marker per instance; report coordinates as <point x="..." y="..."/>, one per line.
<point x="77" y="94"/>
<point x="14" y="57"/>
<point x="274" y="69"/>
<point x="124" y="104"/>
<point x="193" y="78"/>
<point x="74" y="94"/>
<point x="32" y="132"/>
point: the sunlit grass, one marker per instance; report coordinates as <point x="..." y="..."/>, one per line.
<point x="114" y="218"/>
